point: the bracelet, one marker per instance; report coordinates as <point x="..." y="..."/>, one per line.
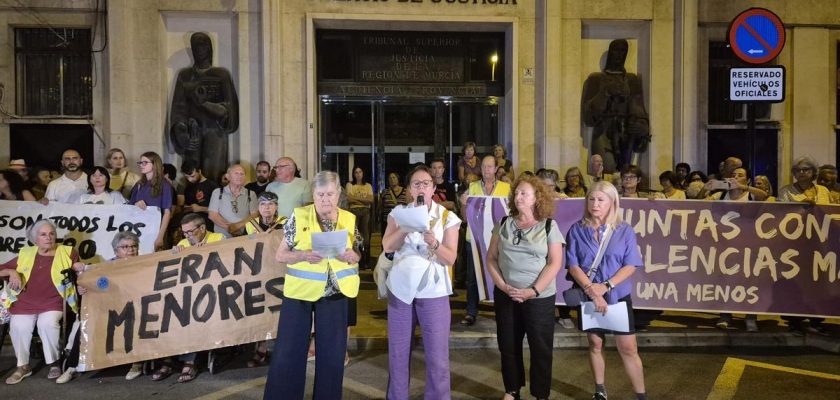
<point x="535" y="291"/>
<point x="437" y="244"/>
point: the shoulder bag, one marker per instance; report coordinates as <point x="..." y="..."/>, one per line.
<point x="575" y="295"/>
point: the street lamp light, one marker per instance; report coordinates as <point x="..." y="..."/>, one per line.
<point x="493" y="60"/>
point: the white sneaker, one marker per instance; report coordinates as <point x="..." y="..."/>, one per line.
<point x="566" y="323"/>
<point x="135" y="371"/>
<point x="67" y="376"/>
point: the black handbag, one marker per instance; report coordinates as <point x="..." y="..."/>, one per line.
<point x="574" y="296"/>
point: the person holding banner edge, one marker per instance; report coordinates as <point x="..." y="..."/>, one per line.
<point x="524" y="256"/>
<point x="315" y="286"/>
<point x="609" y="282"/>
<point x="125" y="244"/>
<point x="488" y="185"/>
<point x="194" y="228"/>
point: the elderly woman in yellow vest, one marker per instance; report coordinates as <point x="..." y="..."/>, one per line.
<point x="41" y="289"/>
<point x="315" y="286"/>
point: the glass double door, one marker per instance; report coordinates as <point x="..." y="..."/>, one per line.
<point x="384" y="136"/>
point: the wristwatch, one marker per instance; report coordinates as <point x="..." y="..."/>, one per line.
<point x="609" y="285"/>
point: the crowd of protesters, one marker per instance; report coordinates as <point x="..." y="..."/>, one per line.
<point x="524" y="255"/>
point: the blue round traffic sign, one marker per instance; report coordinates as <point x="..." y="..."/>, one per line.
<point x="756" y="36"/>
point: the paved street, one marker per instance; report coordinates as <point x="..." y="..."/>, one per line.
<point x="685" y="358"/>
<point x="718" y="374"/>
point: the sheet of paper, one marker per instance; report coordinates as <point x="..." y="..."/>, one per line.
<point x="412" y="219"/>
<point x="329" y="244"/>
<point x="615" y="320"/>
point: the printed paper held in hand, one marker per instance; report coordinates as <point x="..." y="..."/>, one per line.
<point x="329" y="244"/>
<point x="412" y="219"/>
<point x="615" y="320"/>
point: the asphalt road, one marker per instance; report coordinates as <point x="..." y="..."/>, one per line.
<point x="712" y="374"/>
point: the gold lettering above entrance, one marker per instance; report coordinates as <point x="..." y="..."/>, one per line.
<point x="473" y="2"/>
<point x="405" y="90"/>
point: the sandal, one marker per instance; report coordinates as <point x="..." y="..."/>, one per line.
<point x="18" y="375"/>
<point x="188" y="373"/>
<point x="163" y="372"/>
<point x="260" y="358"/>
<point x="55" y="372"/>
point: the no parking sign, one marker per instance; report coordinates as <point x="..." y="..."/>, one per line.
<point x="756" y="36"/>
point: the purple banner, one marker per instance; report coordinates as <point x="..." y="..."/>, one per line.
<point x="720" y="256"/>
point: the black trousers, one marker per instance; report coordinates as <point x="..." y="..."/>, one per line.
<point x="534" y="318"/>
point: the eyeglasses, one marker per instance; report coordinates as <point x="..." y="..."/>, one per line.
<point x="629" y="177"/>
<point x="517" y="236"/>
<point x="281" y="166"/>
<point x="421" y="184"/>
<point x="191" y="232"/>
<point x="128" y="247"/>
<point x="802" y="170"/>
<point x="144" y="162"/>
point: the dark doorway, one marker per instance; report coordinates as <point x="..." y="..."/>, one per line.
<point x="725" y="143"/>
<point x="42" y="145"/>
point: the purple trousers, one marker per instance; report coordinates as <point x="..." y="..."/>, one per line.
<point x="434" y="318"/>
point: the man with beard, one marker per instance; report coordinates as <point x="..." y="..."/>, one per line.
<point x="263" y="178"/>
<point x="197" y="191"/>
<point x="72" y="183"/>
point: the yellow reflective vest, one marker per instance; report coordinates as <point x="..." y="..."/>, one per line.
<point x="305" y="281"/>
<point x="61" y="261"/>
<point x="210" y="237"/>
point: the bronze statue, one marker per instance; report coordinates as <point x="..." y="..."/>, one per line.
<point x="205" y="110"/>
<point x="613" y="105"/>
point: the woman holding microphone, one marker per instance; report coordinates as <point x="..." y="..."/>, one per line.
<point x="419" y="286"/>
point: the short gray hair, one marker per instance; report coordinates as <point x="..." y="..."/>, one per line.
<point x="32" y="233"/>
<point x="325" y="178"/>
<point x="807" y="161"/>
<point x="124" y="235"/>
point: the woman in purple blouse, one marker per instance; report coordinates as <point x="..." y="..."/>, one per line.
<point x="153" y="190"/>
<point x="611" y="283"/>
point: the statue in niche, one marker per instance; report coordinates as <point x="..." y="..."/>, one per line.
<point x="613" y="105"/>
<point x="204" y="111"/>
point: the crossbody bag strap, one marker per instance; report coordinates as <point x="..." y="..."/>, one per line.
<point x="602" y="248"/>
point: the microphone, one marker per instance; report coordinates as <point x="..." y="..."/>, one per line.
<point x="420" y="200"/>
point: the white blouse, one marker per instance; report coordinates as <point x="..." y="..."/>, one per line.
<point x="416" y="275"/>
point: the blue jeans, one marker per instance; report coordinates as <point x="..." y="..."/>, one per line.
<point x="287" y="374"/>
<point x="472" y="282"/>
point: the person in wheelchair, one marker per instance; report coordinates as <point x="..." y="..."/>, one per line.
<point x="40" y="290"/>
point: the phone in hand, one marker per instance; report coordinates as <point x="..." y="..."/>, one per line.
<point x="715" y="184"/>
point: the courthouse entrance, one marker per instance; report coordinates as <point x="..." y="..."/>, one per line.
<point x="389" y="99"/>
